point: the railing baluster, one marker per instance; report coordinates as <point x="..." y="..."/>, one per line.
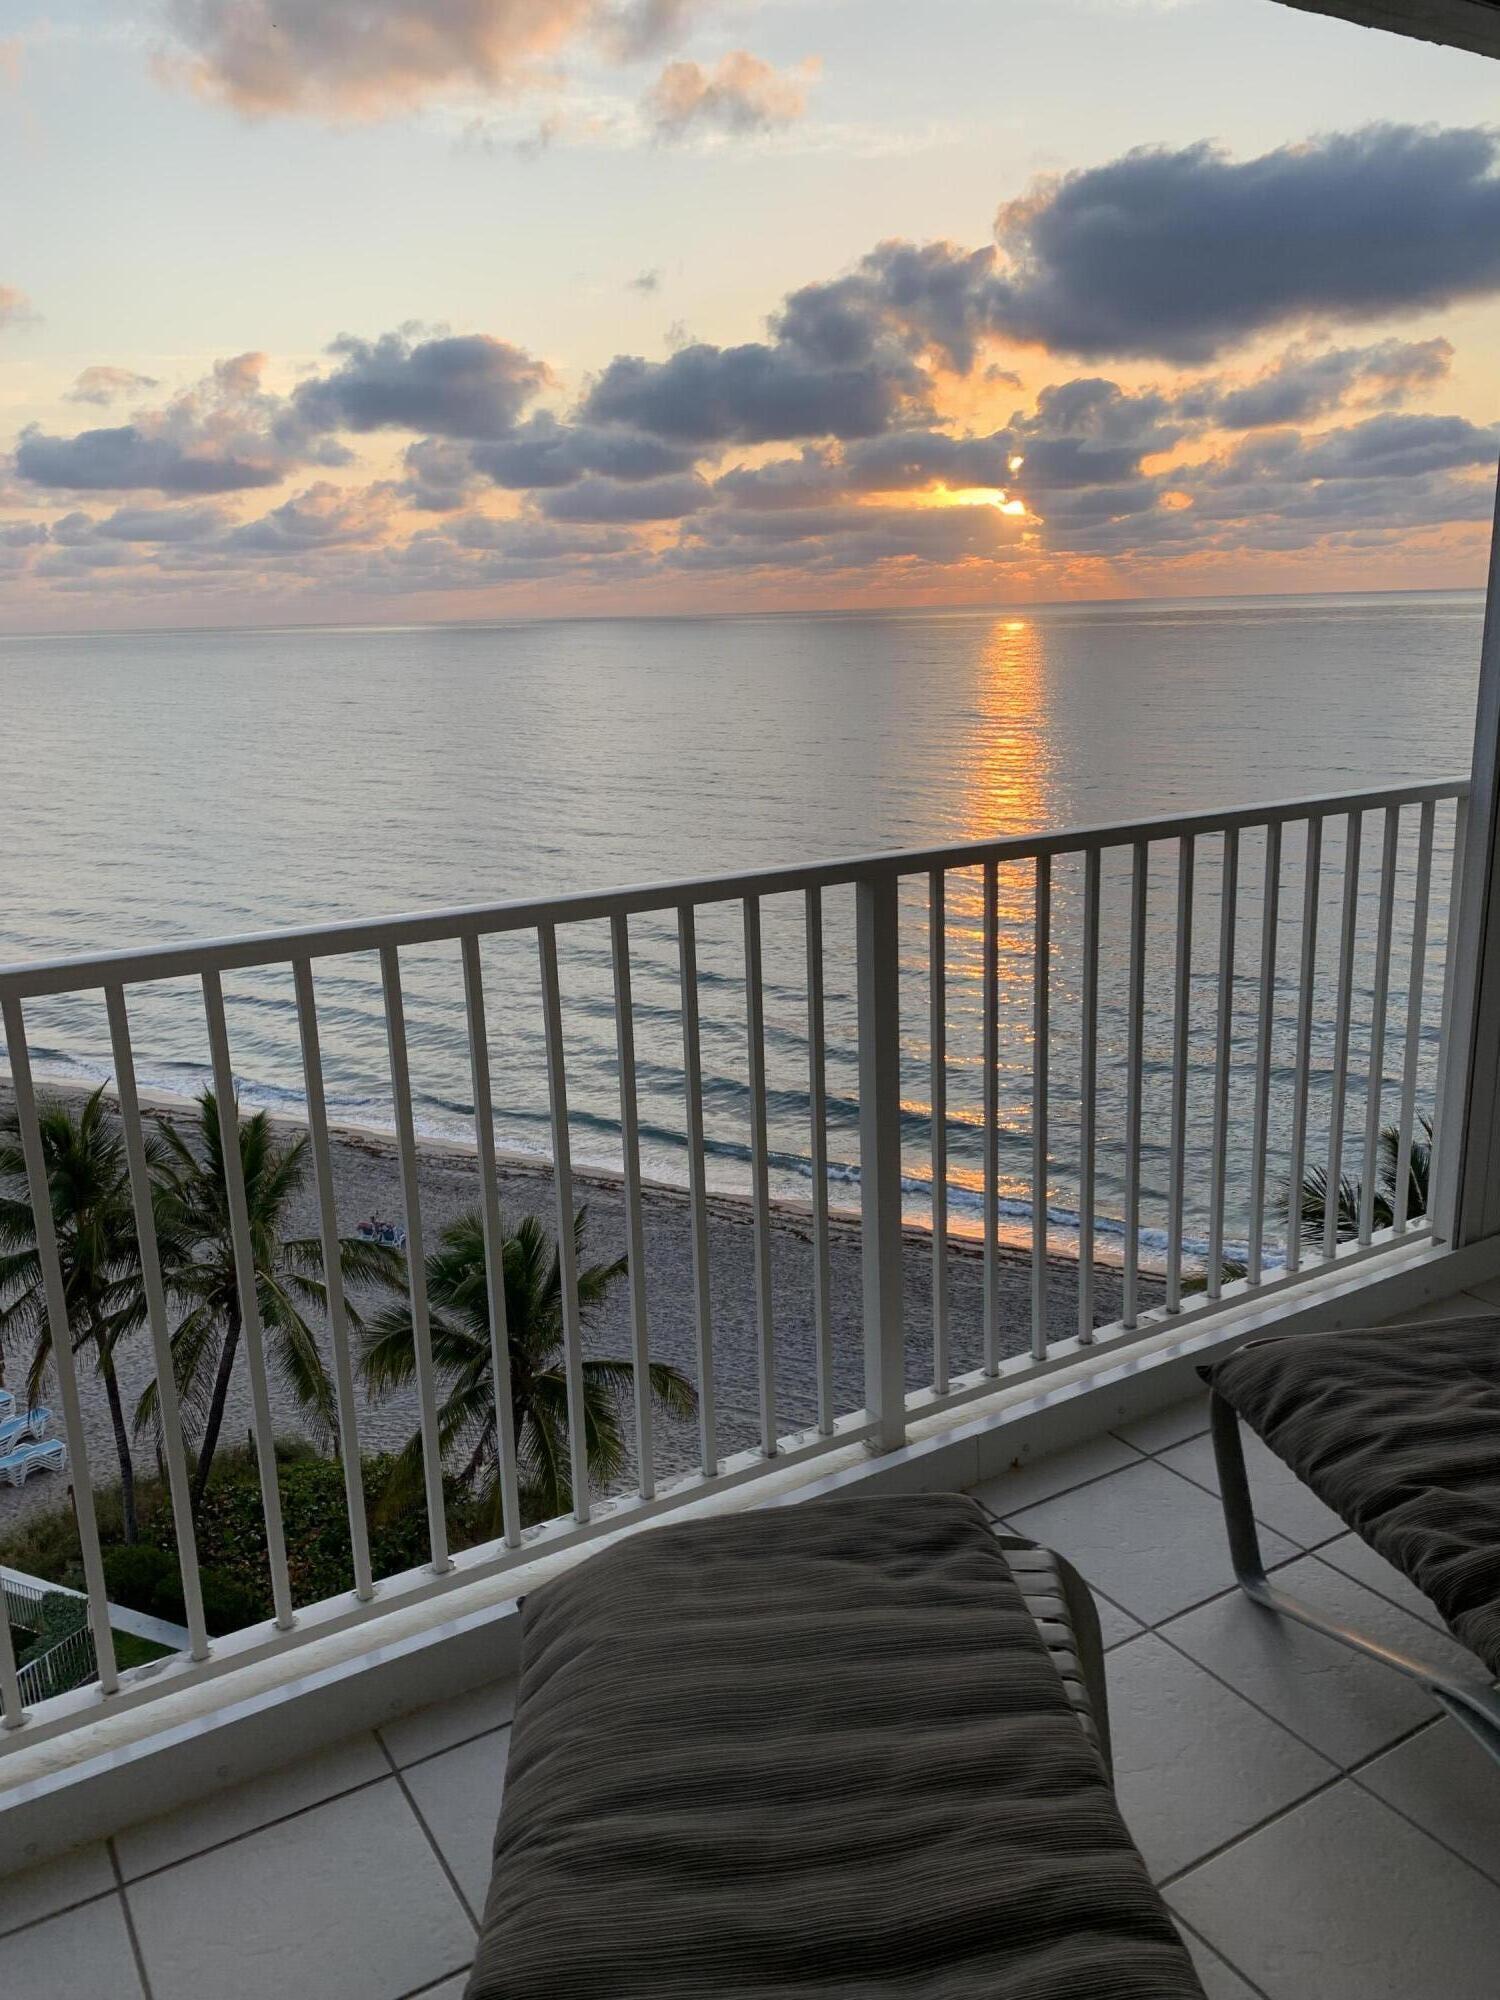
<point x="760" y="1175"/>
<point x="877" y="931"/>
<point x="989" y="980"/>
<point x="168" y="1400"/>
<point x="567" y="1241"/>
<point x="1334" y="1188"/>
<point x="1088" y="1082"/>
<point x="1229" y="882"/>
<point x="1260" y="1141"/>
<point x="333" y="1276"/>
<point x="1379" y="1003"/>
<point x="1177" y="1183"/>
<point x="1415" y="984"/>
<point x="65" y="1368"/>
<point x="692" y="1078"/>
<point x="1440" y="1191"/>
<point x="12" y="1703"/>
<point x="1307" y="982"/>
<point x="1041" y="988"/>
<point x="937" y="1040"/>
<point x="247" y="1287"/>
<point x="635" y="1225"/>
<point x="1134" y="1051"/>
<point x="416" y="1258"/>
<point x="494" y="1242"/>
<point x="817" y="1099"/>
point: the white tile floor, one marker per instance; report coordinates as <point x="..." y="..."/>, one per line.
<point x="1320" y="1833"/>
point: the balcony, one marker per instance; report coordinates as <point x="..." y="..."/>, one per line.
<point x="1076" y="1083"/>
<point x="1316" y="1827"/>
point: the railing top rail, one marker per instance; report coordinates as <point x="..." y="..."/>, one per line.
<point x="189" y="959"/>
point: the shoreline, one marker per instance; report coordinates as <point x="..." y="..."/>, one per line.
<point x="366" y="1181"/>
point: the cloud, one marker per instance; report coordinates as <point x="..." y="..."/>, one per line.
<point x="755" y="393"/>
<point x="1176" y="255"/>
<point x="644" y="281"/>
<point x="161" y="525"/>
<point x="224" y="435"/>
<point x="322" y="516"/>
<point x="741" y="95"/>
<point x="101" y="385"/>
<point x="15" y="308"/>
<point x="546" y="452"/>
<point x="455" y="386"/>
<point x="1301" y="384"/>
<point x="367" y="58"/>
<point x="615" y="500"/>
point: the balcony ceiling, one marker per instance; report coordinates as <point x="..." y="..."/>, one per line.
<point x="1459" y="24"/>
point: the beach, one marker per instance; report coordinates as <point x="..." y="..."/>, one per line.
<point x="366" y="1181"/>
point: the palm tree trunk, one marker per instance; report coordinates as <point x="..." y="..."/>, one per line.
<point x="122" y="1441"/>
<point x="208" y="1444"/>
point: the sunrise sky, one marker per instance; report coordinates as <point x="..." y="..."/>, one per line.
<point x="387" y="310"/>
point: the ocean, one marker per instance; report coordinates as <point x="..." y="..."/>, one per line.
<point x="166" y="786"/>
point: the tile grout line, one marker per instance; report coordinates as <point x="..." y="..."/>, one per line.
<point x="1341" y="1775"/>
<point x="431" y="1839"/>
<point x="1193" y="1930"/>
<point x="249" y="1832"/>
<point x="63" y="1909"/>
<point x="432" y="1985"/>
<point x="129" y="1915"/>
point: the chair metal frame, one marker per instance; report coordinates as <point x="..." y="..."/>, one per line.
<point x="1472" y="1701"/>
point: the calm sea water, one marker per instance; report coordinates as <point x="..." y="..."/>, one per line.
<point x="167" y="786"/>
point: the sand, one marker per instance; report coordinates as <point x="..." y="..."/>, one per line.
<point x="367" y="1181"/>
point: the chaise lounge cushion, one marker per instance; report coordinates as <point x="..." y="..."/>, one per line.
<point x="820" y="1751"/>
<point x="1398" y="1430"/>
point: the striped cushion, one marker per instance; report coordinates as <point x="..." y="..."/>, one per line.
<point x="1398" y="1430"/>
<point x="820" y="1751"/>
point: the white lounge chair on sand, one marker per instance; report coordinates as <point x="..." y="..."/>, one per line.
<point x="16" y="1466"/>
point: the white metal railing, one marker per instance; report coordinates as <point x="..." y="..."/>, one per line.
<point x="60" y="1669"/>
<point x="1041" y="903"/>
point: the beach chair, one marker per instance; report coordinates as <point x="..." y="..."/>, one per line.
<point x="17" y="1466"/>
<point x="853" y="1747"/>
<point x="1397" y="1429"/>
<point x="31" y="1423"/>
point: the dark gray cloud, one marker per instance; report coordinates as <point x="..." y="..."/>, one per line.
<point x="596" y="499"/>
<point x="452" y="385"/>
<point x="224" y="435"/>
<point x="740" y="95"/>
<point x="103" y="385"/>
<point x="1395" y="447"/>
<point x="126" y="458"/>
<point x="1177" y="255"/>
<point x="1302" y="384"/>
<point x="544" y="452"/>
<point x="752" y="394"/>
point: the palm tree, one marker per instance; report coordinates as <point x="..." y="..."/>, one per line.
<point x="288" y="1276"/>
<point x="467" y="1419"/>
<point x="94" y="1221"/>
<point x="1314" y="1204"/>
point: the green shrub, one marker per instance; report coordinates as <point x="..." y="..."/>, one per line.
<point x="136" y="1576"/>
<point x="57" y="1616"/>
<point x="234" y="1568"/>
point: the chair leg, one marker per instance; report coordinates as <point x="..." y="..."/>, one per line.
<point x="1472" y="1701"/>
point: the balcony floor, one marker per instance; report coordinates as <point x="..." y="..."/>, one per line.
<point x="1319" y="1833"/>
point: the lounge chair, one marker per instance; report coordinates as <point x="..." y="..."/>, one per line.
<point x="1397" y="1429"/>
<point x="32" y="1423"/>
<point x="17" y="1466"/>
<point x="844" y="1748"/>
